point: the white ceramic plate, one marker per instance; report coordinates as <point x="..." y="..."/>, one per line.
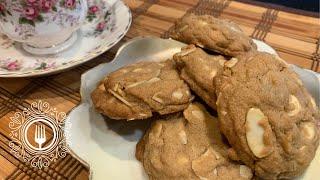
<point x="108" y="146"/>
<point x="100" y="32"/>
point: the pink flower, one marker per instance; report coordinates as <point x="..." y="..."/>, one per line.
<point x="93" y="9"/>
<point x="12" y="66"/>
<point x="31" y="1"/>
<point x="30" y="13"/>
<point x="45" y="5"/>
<point x="70" y="3"/>
<point x="2" y="9"/>
<point x="101" y="26"/>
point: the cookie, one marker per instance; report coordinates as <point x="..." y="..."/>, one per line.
<point x="136" y="91"/>
<point x="188" y="146"/>
<point x="218" y="35"/>
<point x="267" y="116"/>
<point x="199" y="70"/>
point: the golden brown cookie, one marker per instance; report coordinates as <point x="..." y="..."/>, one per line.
<point x="135" y="91"/>
<point x="267" y="115"/>
<point x="218" y="35"/>
<point x="188" y="146"/>
<point x="199" y="70"/>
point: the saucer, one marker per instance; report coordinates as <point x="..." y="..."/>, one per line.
<point x="104" y="27"/>
<point x="106" y="146"/>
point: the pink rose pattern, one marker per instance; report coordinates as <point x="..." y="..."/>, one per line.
<point x="10" y="65"/>
<point x="34" y="9"/>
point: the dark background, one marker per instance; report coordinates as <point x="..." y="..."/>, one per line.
<point x="308" y="5"/>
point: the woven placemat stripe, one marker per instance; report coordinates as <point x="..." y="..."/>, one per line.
<point x="316" y="58"/>
<point x="265" y="24"/>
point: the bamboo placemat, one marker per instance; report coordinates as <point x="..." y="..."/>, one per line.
<point x="295" y="36"/>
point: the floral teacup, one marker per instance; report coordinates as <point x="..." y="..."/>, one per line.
<point x="43" y="26"/>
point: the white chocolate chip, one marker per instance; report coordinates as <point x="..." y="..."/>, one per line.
<point x="224" y="113"/>
<point x="198" y="114"/>
<point x="232" y="62"/>
<point x="221" y="62"/>
<point x="245" y="172"/>
<point x="204" y="163"/>
<point x="308" y="130"/>
<point x="294" y="102"/>
<point x="215" y="172"/>
<point x="177" y="94"/>
<point x="186" y="51"/>
<point x="213" y="74"/>
<point x="183" y="137"/>
<point x="255" y="132"/>
<point x="137" y="70"/>
<point x="202" y="23"/>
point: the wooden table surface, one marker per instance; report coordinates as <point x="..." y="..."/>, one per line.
<point x="294" y="34"/>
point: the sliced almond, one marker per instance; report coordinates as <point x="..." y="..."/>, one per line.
<point x="177" y="94"/>
<point x="183" y="28"/>
<point x="157" y="99"/>
<point x="223" y="113"/>
<point x="245" y="172"/>
<point x="115" y="87"/>
<point x="308" y="130"/>
<point x="186" y="51"/>
<point x="256" y="123"/>
<point x="120" y="98"/>
<point x="137" y="70"/>
<point x="183" y="137"/>
<point x="313" y="103"/>
<point x="153" y="80"/>
<point x="136" y="84"/>
<point x="218" y="98"/>
<point x="200" y="45"/>
<point x="232" y="62"/>
<point x="295" y="104"/>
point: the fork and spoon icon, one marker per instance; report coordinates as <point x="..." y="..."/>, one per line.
<point x="40" y="135"/>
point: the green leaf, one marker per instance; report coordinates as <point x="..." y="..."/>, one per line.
<point x="54" y="9"/>
<point x="40" y="18"/>
<point x="24" y="20"/>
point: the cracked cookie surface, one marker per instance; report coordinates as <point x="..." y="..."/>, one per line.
<point x="135" y="91"/>
<point x="188" y="146"/>
<point x="199" y="70"/>
<point x="267" y="115"/>
<point x="218" y="35"/>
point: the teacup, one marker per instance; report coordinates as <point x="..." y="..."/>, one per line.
<point x="43" y="26"/>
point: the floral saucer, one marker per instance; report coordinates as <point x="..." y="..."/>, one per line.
<point x="104" y="27"/>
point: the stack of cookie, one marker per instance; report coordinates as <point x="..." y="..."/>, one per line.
<point x="267" y="121"/>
